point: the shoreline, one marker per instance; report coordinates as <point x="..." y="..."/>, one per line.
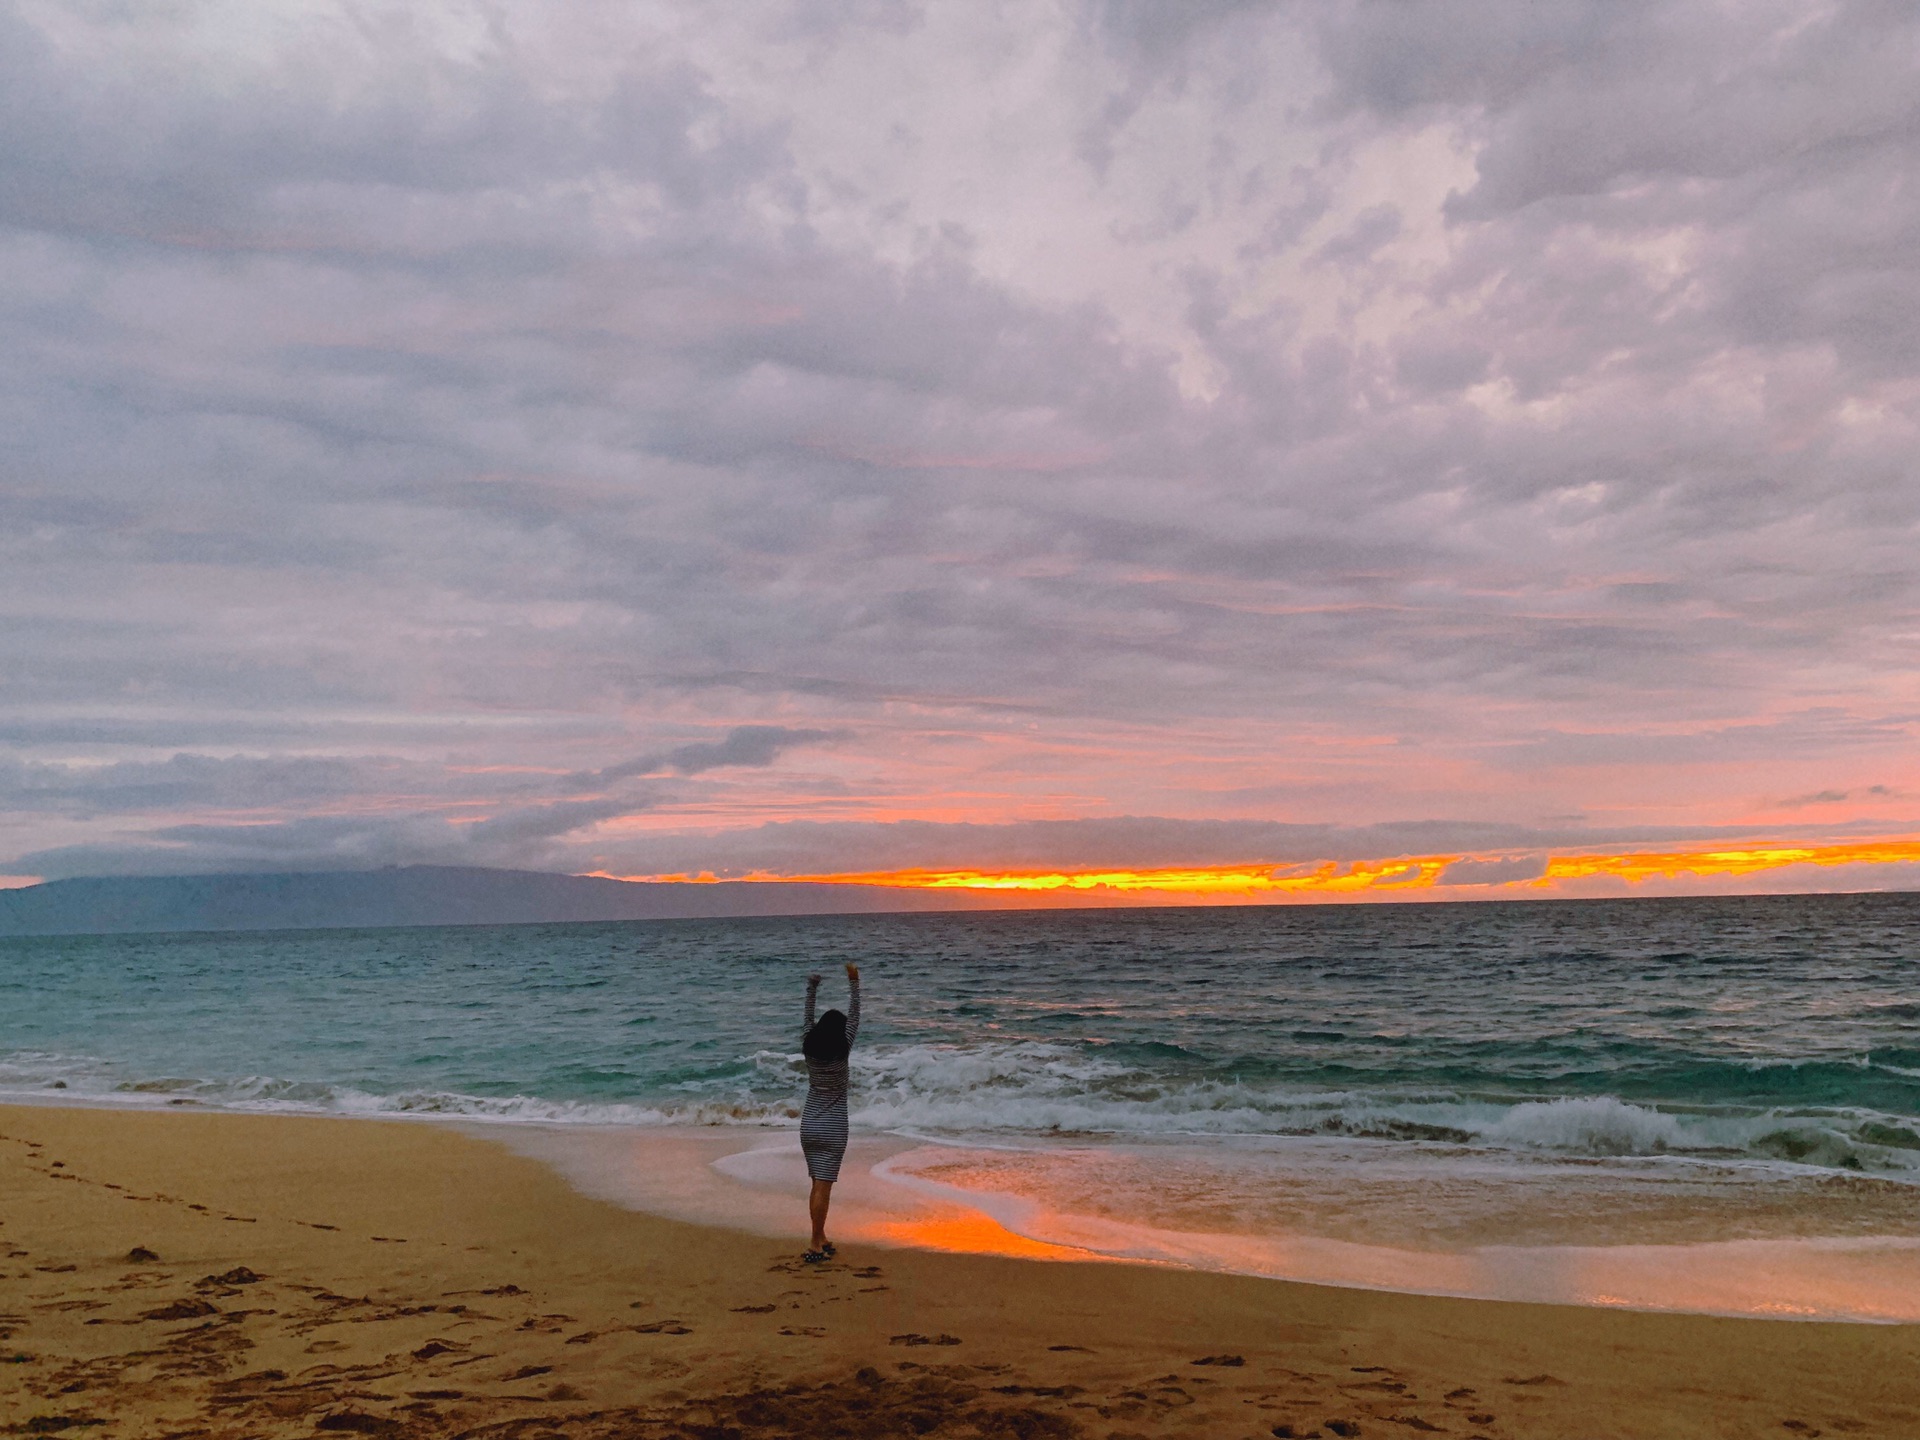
<point x="170" y="1273"/>
<point x="750" y="1180"/>
<point x="890" y="1194"/>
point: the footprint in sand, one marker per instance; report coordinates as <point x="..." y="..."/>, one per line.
<point x="800" y="1267"/>
<point x="239" y="1275"/>
<point x="354" y="1420"/>
<point x="182" y="1310"/>
<point x="753" y="1309"/>
<point x="914" y="1339"/>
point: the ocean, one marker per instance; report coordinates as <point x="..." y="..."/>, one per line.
<point x="1698" y="1104"/>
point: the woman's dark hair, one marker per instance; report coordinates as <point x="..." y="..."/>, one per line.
<point x="827" y="1040"/>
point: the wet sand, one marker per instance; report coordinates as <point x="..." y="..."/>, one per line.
<point x="178" y="1274"/>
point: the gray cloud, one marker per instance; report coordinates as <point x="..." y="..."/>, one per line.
<point x="1835" y="797"/>
<point x="1500" y="871"/>
<point x="451" y="813"/>
<point x="197" y="781"/>
<point x="743" y="745"/>
<point x="1383" y="410"/>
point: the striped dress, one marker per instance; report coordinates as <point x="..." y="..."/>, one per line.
<point x="823" y="1123"/>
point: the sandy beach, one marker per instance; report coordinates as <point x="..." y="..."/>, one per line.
<point x="195" y="1274"/>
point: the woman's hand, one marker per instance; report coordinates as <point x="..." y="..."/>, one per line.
<point x="815" y="978"/>
<point x="853" y="971"/>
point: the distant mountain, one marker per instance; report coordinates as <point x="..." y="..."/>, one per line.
<point x="422" y="895"/>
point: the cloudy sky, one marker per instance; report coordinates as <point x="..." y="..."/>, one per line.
<point x="842" y="436"/>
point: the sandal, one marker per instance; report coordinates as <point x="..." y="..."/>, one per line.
<point x="828" y="1250"/>
<point x="814" y="1257"/>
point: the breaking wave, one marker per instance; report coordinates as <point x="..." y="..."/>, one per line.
<point x="1031" y="1088"/>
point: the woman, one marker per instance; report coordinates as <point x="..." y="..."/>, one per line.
<point x="823" y="1124"/>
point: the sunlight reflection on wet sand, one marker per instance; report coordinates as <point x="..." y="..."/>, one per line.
<point x="964" y="1233"/>
<point x="757" y="1182"/>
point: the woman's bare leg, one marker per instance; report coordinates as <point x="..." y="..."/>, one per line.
<point x="817" y="1208"/>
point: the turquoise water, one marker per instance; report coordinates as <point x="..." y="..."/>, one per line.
<point x="1778" y="1029"/>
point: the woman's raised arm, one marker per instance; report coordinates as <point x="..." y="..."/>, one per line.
<point x="853" y="1001"/>
<point x="813" y="989"/>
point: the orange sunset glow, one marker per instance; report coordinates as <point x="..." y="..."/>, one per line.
<point x="1753" y="861"/>
<point x="1380" y="878"/>
<point x="1231" y="880"/>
